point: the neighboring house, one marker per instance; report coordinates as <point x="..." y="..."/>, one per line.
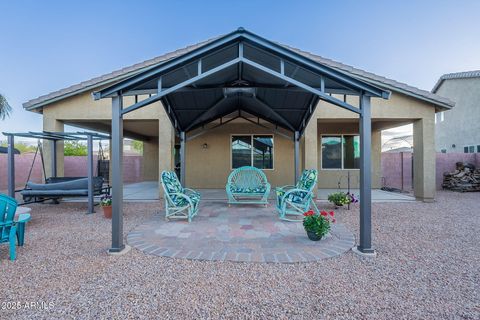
<point x="458" y="130"/>
<point x="330" y="142"/>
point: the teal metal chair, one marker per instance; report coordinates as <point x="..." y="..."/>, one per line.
<point x="8" y="228"/>
<point x="247" y="185"/>
<point x="180" y="203"/>
<point x="296" y="200"/>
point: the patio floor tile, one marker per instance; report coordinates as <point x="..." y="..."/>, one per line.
<point x="237" y="233"/>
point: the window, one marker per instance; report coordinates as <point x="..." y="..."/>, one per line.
<point x="256" y="150"/>
<point x="471" y="149"/>
<point x="341" y="152"/>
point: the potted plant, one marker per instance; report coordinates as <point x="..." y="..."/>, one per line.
<point x="340" y="199"/>
<point x="106" y="204"/>
<point x="317" y="225"/>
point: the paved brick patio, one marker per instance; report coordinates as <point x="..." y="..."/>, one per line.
<point x="239" y="233"/>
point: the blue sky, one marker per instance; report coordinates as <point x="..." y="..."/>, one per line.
<point x="49" y="45"/>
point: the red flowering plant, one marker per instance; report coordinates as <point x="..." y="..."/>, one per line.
<point x="318" y="224"/>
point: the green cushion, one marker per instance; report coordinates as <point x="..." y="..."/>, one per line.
<point x="172" y="185"/>
<point x="258" y="189"/>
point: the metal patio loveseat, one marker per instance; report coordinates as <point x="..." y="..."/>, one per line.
<point x="247" y="185"/>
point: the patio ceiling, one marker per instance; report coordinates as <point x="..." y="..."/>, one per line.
<point x="240" y="71"/>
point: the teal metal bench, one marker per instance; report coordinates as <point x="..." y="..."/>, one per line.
<point x="296" y="200"/>
<point x="180" y="203"/>
<point x="247" y="185"/>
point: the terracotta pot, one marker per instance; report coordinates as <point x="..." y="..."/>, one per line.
<point x="313" y="236"/>
<point x="107" y="212"/>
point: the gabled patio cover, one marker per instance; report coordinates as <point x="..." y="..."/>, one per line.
<point x="241" y="71"/>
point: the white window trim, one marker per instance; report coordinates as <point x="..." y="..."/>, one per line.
<point x="251" y="153"/>
<point x="470" y="146"/>
<point x="341" y="139"/>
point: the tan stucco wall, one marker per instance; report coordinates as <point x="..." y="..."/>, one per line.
<point x="150" y="160"/>
<point x="330" y="178"/>
<point x="83" y="108"/>
<point x="52" y="124"/>
<point x="209" y="168"/>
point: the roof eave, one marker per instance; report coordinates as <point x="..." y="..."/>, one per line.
<point x="444" y="105"/>
<point x="32" y="106"/>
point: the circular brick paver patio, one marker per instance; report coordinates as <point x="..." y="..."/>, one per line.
<point x="239" y="233"/>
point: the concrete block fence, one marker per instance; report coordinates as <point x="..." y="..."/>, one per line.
<point x="392" y="164"/>
<point x="75" y="166"/>
<point x="394" y="167"/>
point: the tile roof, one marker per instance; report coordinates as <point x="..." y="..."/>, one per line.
<point x="123" y="73"/>
<point x="456" y="75"/>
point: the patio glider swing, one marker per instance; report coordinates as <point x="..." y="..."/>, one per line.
<point x="240" y="72"/>
<point x="59" y="187"/>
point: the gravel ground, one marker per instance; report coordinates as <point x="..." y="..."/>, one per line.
<point x="428" y="267"/>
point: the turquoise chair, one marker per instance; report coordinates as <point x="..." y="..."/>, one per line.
<point x="179" y="202"/>
<point x="296" y="200"/>
<point x="8" y="227"/>
<point x="247" y="185"/>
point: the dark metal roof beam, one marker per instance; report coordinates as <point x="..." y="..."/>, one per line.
<point x="206" y="113"/>
<point x="163" y="93"/>
<point x="309" y="113"/>
<point x="214" y="127"/>
<point x="165" y="67"/>
<point x="171" y="113"/>
<point x="221" y="86"/>
<point x="276" y="131"/>
<point x="331" y="73"/>
<point x="321" y="94"/>
<point x="233" y="37"/>
<point x="276" y="114"/>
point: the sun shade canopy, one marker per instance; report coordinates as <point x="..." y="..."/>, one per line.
<point x="240" y="71"/>
<point x="55" y="136"/>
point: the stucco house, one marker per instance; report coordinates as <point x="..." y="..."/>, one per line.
<point x="216" y="145"/>
<point x="458" y="130"/>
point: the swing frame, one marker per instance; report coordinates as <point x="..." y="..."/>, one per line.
<point x="53" y="137"/>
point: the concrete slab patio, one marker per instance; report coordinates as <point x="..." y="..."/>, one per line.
<point x="238" y="233"/>
<point x="149" y="190"/>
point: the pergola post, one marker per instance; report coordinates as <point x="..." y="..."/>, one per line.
<point x="11" y="166"/>
<point x="54" y="158"/>
<point x="117" y="175"/>
<point x="182" y="158"/>
<point x="297" y="156"/>
<point x="365" y="246"/>
<point x="89" y="172"/>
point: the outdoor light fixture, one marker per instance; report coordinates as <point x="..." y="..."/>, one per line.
<point x="205" y="146"/>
